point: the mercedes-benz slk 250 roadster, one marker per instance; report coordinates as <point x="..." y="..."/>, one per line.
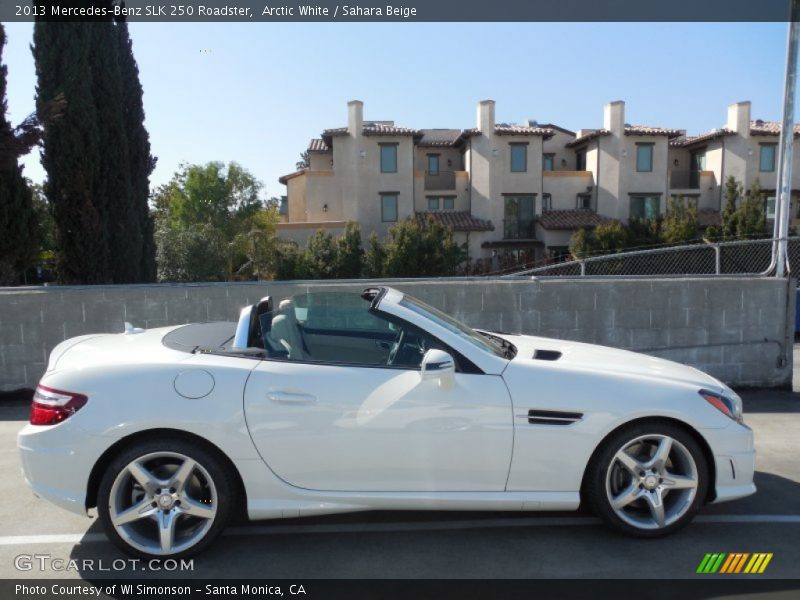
<point x="332" y="402"/>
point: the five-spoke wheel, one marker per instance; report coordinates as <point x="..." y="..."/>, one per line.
<point x="165" y="499"/>
<point x="648" y="479"/>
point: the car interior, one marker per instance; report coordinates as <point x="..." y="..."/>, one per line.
<point x="340" y="328"/>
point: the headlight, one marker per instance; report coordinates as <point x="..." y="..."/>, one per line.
<point x="730" y="405"/>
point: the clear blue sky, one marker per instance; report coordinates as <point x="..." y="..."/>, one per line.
<point x="256" y="93"/>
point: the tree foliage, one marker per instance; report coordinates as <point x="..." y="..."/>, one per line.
<point x="223" y="203"/>
<point x="349" y="253"/>
<point x="18" y="218"/>
<point x="733" y="191"/>
<point x="140" y="160"/>
<point x="421" y="249"/>
<point x="744" y="215"/>
<point x="305" y="160"/>
<point x="680" y="223"/>
<point x="96" y="162"/>
<point x="374" y="257"/>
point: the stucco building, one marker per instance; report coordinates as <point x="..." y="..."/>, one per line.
<point x="519" y="188"/>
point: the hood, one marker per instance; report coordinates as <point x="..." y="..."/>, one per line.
<point x="578" y="355"/>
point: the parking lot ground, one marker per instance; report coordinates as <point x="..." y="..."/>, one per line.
<point x="443" y="544"/>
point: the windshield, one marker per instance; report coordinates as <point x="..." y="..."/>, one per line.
<point x="465" y="333"/>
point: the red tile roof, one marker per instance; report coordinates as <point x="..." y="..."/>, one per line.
<point x="759" y="127"/>
<point x="283" y="179"/>
<point x="439" y="137"/>
<point x="647" y="130"/>
<point x="589" y="135"/>
<point x="571" y="219"/>
<point x="552" y="126"/>
<point x="458" y="220"/>
<point x="318" y="145"/>
<point x="704" y="137"/>
<point x="374" y="129"/>
<point x="382" y="129"/>
<point x="505" y="129"/>
<point x="334" y="131"/>
<point x="629" y="130"/>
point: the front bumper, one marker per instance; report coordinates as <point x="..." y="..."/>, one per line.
<point x="57" y="461"/>
<point x="734" y="460"/>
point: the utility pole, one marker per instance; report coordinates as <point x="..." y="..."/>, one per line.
<point x="785" y="145"/>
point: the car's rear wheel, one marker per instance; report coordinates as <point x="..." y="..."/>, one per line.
<point x="165" y="498"/>
<point x="648" y="479"/>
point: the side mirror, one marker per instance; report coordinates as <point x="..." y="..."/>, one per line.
<point x="438" y="364"/>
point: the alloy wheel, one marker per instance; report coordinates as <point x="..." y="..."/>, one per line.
<point x="652" y="481"/>
<point x="163" y="503"/>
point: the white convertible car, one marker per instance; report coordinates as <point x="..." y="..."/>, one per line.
<point x="336" y="402"/>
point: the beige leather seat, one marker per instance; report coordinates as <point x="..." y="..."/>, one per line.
<point x="286" y="332"/>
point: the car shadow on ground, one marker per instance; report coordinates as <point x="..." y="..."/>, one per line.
<point x="770" y="401"/>
<point x="403" y="544"/>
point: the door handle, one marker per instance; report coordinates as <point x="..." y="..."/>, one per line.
<point x="291" y="398"/>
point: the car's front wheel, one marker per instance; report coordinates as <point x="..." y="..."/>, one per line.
<point x="165" y="498"/>
<point x="648" y="479"/>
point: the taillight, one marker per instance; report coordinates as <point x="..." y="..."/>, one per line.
<point x="52" y="406"/>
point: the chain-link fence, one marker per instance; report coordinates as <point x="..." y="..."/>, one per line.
<point x="744" y="257"/>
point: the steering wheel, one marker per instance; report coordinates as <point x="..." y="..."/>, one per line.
<point x="398" y="343"/>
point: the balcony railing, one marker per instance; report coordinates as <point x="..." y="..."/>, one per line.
<point x="684" y="180"/>
<point x="442" y="180"/>
<point x="519" y="229"/>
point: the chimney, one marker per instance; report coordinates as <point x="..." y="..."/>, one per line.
<point x="355" y="117"/>
<point x="739" y="118"/>
<point x="486" y="117"/>
<point x="614" y="117"/>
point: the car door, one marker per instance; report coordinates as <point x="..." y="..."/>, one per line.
<point x="333" y="415"/>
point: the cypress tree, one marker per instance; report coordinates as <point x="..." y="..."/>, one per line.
<point x="18" y="227"/>
<point x="141" y="163"/>
<point x="72" y="150"/>
<point x="112" y="184"/>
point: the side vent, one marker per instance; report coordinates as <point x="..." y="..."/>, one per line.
<point x="553" y="417"/>
<point x="546" y="354"/>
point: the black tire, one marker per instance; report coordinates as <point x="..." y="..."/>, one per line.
<point x="220" y="473"/>
<point x="595" y="492"/>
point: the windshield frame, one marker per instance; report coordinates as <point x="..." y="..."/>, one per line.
<point x="465" y="333"/>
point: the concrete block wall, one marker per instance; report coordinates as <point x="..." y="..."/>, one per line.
<point x="734" y="328"/>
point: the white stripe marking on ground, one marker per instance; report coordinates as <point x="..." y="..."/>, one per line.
<point x="75" y="538"/>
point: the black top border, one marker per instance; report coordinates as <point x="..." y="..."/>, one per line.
<point x="401" y="11"/>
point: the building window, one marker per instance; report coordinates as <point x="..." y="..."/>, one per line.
<point x="580" y="160"/>
<point x="519" y="158"/>
<point x="645" y="208"/>
<point x="445" y="202"/>
<point x="433" y="164"/>
<point x="519" y="215"/>
<point x="584" y="201"/>
<point x="547" y="202"/>
<point x="770" y="208"/>
<point x="389" y="207"/>
<point x="559" y="253"/>
<point x="644" y="157"/>
<point x="388" y="158"/>
<point x="690" y="202"/>
<point x="766" y="158"/>
<point x="283" y="207"/>
<point x="548" y="162"/>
